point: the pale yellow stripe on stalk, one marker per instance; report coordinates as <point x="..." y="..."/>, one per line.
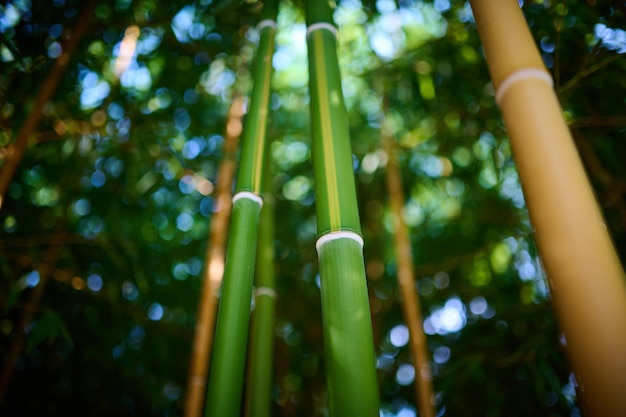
<point x="327" y="133"/>
<point x="261" y="131"/>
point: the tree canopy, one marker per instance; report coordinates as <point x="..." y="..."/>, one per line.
<point x="105" y="221"/>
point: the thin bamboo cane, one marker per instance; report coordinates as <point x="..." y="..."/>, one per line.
<point x="261" y="355"/>
<point x="15" y="151"/>
<point x="406" y="282"/>
<point x="225" y="387"/>
<point x="586" y="279"/>
<point x="348" y="341"/>
<point x="214" y="268"/>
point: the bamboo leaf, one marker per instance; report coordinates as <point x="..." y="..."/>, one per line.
<point x="48" y="328"/>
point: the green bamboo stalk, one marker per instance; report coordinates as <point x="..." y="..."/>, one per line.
<point x="224" y="393"/>
<point x="261" y="355"/>
<point x="213" y="269"/>
<point x="348" y="341"/>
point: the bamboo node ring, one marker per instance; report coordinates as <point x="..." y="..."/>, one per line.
<point x="520" y="75"/>
<point x="266" y="23"/>
<point x="270" y="292"/>
<point x="321" y="25"/>
<point x="249" y="196"/>
<point x="344" y="234"/>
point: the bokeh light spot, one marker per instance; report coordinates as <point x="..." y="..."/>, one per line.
<point x="478" y="305"/>
<point x="130" y="291"/>
<point x="32" y="278"/>
<point x="155" y="312"/>
<point x="10" y="224"/>
<point x="187" y="184"/>
<point x="180" y="271"/>
<point x="405" y="374"/>
<point x="94" y="282"/>
<point x="184" y="222"/>
<point x="82" y="207"/>
<point x="297" y="188"/>
<point x="441" y="354"/>
<point x="54" y="50"/>
<point x="98" y="179"/>
<point x="399" y="335"/>
<point x="172" y="391"/>
<point x="450" y="318"/>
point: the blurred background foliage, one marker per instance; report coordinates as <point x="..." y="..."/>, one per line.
<point x="109" y="212"/>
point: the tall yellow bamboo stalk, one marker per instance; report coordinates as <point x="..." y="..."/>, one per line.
<point x="406" y="282"/>
<point x="586" y="279"/>
<point x="213" y="268"/>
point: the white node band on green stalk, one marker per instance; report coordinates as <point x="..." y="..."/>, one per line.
<point x="266" y="23"/>
<point x="248" y="195"/>
<point x="344" y="234"/>
<point x="321" y="25"/>
<point x="259" y="291"/>
<point x="521" y="75"/>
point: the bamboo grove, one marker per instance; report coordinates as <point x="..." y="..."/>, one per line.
<point x="234" y="354"/>
<point x="350" y="358"/>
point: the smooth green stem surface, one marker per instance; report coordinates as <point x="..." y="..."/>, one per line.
<point x="332" y="156"/>
<point x="225" y="388"/>
<point x="349" y="352"/>
<point x="261" y="356"/>
<point x="252" y="162"/>
<point x="348" y="340"/>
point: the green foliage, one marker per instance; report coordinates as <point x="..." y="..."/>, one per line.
<point x="48" y="328"/>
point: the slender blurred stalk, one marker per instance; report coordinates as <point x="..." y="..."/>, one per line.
<point x="348" y="341"/>
<point x="15" y="151"/>
<point x="261" y="354"/>
<point x="587" y="283"/>
<point x="213" y="267"/>
<point x="410" y="301"/>
<point x="224" y="394"/>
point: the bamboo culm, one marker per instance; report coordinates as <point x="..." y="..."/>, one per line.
<point x="587" y="282"/>
<point x="261" y="353"/>
<point x="226" y="375"/>
<point x="348" y="342"/>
